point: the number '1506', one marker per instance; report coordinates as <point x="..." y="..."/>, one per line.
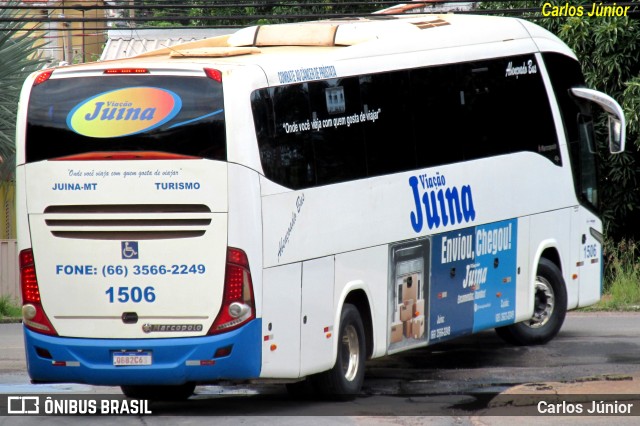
<point x="590" y="251"/>
<point x="131" y="294"/>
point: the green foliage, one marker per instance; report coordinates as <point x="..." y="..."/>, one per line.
<point x="233" y="13"/>
<point x="9" y="308"/>
<point x="621" y="277"/>
<point x="631" y="103"/>
<point x="608" y="47"/>
<point x="609" y="50"/>
<point x="17" y="60"/>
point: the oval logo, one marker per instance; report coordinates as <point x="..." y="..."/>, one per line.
<point x="124" y="112"/>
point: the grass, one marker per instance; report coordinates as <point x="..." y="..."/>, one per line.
<point x="9" y="308"/>
<point x="621" y="277"/>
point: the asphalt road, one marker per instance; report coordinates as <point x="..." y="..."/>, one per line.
<point x="449" y="383"/>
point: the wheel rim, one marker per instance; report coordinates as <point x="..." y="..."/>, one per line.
<point x="350" y="353"/>
<point x="543" y="304"/>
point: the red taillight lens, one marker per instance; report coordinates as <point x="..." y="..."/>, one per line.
<point x="213" y="74"/>
<point x="126" y="71"/>
<point x="238" y="305"/>
<point x="42" y="77"/>
<point x="28" y="280"/>
<point x="33" y="315"/>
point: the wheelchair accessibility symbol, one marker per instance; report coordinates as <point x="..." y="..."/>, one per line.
<point x="129" y="249"/>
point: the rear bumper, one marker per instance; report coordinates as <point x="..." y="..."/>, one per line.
<point x="175" y="360"/>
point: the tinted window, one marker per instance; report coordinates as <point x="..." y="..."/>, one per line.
<point x="437" y="116"/>
<point x="402" y="120"/>
<point x="389" y="135"/>
<point x="285" y="150"/>
<point x="126" y="113"/>
<point x="565" y="73"/>
<point x="481" y="109"/>
<point x="338" y="142"/>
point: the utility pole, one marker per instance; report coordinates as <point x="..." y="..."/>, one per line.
<point x="68" y="40"/>
<point x="132" y="13"/>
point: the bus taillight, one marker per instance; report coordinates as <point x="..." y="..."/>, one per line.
<point x="238" y="306"/>
<point x="42" y="77"/>
<point x="128" y="71"/>
<point x="33" y="314"/>
<point x="214" y="74"/>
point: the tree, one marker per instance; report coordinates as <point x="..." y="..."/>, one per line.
<point x="18" y="58"/>
<point x="609" y="50"/>
<point x="239" y="13"/>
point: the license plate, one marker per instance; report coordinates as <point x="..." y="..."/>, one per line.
<point x="131" y="358"/>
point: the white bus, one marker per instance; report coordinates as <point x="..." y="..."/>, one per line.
<point x="291" y="200"/>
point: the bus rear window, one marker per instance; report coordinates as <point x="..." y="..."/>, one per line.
<point x="177" y="115"/>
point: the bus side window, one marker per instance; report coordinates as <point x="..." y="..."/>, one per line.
<point x="587" y="147"/>
<point x="387" y="125"/>
<point x="338" y="143"/>
<point x="477" y="101"/>
<point x="262" y="109"/>
<point x="506" y="109"/>
<point x="435" y="106"/>
<point x="285" y="148"/>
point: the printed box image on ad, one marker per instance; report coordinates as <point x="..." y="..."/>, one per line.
<point x="408" y="269"/>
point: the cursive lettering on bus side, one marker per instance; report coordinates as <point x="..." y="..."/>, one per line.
<point x="442" y="205"/>
<point x="284" y="241"/>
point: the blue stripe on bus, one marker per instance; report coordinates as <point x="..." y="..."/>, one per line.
<point x="170" y="356"/>
<point x="193" y="120"/>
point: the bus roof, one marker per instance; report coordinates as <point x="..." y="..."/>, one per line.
<point x="393" y="32"/>
<point x="357" y="38"/>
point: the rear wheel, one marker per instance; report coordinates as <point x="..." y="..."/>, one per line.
<point x="345" y="379"/>
<point x="159" y="393"/>
<point x="549" y="310"/>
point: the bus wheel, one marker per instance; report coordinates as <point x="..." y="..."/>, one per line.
<point x="160" y="393"/>
<point x="549" y="309"/>
<point x="345" y="379"/>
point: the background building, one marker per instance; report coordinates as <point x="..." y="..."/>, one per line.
<point x="67" y="30"/>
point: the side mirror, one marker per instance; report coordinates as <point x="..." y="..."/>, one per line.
<point x="616" y="135"/>
<point x="617" y="124"/>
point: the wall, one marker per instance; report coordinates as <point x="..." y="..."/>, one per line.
<point x="9" y="271"/>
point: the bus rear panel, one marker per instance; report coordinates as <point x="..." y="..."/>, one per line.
<point x="128" y="267"/>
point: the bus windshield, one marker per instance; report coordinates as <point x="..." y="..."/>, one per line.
<point x="579" y="127"/>
<point x="178" y="115"/>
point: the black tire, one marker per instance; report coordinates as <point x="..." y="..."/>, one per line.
<point x="344" y="380"/>
<point x="159" y="393"/>
<point x="550" y="308"/>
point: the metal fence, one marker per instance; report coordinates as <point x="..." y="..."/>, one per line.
<point x="9" y="271"/>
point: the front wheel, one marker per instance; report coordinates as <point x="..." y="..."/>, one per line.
<point x="549" y="309"/>
<point x="345" y="379"/>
